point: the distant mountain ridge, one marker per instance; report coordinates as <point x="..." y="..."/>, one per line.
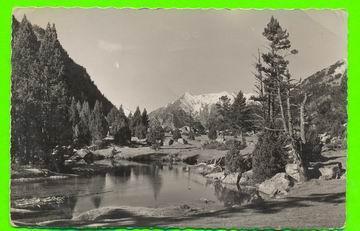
<point x="327" y="98"/>
<point x="326" y="89"/>
<point x="188" y="107"/>
<point x="195" y="103"/>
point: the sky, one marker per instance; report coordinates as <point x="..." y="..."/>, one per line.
<point x="149" y="58"/>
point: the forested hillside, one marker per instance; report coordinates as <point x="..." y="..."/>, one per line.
<point x="327" y="99"/>
<point x="45" y="83"/>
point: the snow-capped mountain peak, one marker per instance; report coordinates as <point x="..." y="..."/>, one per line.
<point x="195" y="103"/>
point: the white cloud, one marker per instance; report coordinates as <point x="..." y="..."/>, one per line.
<point x="109" y="46"/>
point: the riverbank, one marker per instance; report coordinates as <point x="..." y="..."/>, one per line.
<point x="316" y="203"/>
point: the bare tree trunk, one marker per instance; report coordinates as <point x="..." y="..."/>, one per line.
<point x="269" y="108"/>
<point x="302" y="166"/>
<point x="291" y="133"/>
<point x="302" y="120"/>
<point x="298" y="160"/>
<point x="272" y="108"/>
<point x="282" y="109"/>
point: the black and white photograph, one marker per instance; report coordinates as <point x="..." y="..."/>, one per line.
<point x="202" y="118"/>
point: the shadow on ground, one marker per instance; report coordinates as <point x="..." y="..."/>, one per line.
<point x="124" y="218"/>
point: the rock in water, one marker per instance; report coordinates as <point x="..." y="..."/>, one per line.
<point x="277" y="185"/>
<point x="293" y="171"/>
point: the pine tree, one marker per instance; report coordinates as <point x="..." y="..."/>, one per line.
<point x="240" y="113"/>
<point x="138" y="124"/>
<point x="275" y="88"/>
<point x="212" y="132"/>
<point x="98" y="124"/>
<point x="224" y="111"/>
<point x="119" y="126"/>
<point x="83" y="135"/>
<point x="145" y="118"/>
<point x="156" y="133"/>
<point x="26" y="129"/>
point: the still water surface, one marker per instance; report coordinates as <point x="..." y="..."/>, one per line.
<point x="151" y="185"/>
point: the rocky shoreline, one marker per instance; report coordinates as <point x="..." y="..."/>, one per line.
<point x="278" y="187"/>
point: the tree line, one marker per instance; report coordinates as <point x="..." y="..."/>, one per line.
<point x="235" y="117"/>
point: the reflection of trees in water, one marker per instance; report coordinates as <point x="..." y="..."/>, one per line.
<point x="120" y="174"/>
<point x="96" y="200"/>
<point x="235" y="197"/>
<point x="155" y="178"/>
<point x="69" y="206"/>
<point x="96" y="185"/>
<point x="140" y="170"/>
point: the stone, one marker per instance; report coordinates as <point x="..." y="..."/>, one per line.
<point x="247" y="177"/>
<point x="325" y="138"/>
<point x="221" y="140"/>
<point x="215" y="176"/>
<point x="205" y="169"/>
<point x="168" y="142"/>
<point x="330" y="172"/>
<point x="279" y="184"/>
<point x="184" y="206"/>
<point x="343" y="177"/>
<point x="182" y="141"/>
<point x="293" y="171"/>
<point x="230" y="178"/>
<point x="205" y="200"/>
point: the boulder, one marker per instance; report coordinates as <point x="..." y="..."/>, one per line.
<point x="325" y="138"/>
<point x="216" y="176"/>
<point x="221" y="140"/>
<point x="82" y="153"/>
<point x="277" y="185"/>
<point x="230" y="178"/>
<point x="293" y="171"/>
<point x="86" y="155"/>
<point x="247" y="177"/>
<point x="330" y="172"/>
<point x="182" y="141"/>
<point x="168" y="142"/>
<point x="205" y="169"/>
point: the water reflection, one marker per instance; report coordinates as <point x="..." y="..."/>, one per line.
<point x="144" y="185"/>
<point x="239" y="196"/>
<point x="95" y="186"/>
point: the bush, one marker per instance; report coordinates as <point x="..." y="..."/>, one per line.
<point x="212" y="133"/>
<point x="140" y="131"/>
<point x="156" y="134"/>
<point x="269" y="156"/>
<point x="176" y="134"/>
<point x="235" y="143"/>
<point x="198" y="127"/>
<point x="191" y="135"/>
<point x="234" y="161"/>
<point x="311" y="151"/>
<point x="123" y="135"/>
<point x="99" y="144"/>
<point x="213" y="144"/>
